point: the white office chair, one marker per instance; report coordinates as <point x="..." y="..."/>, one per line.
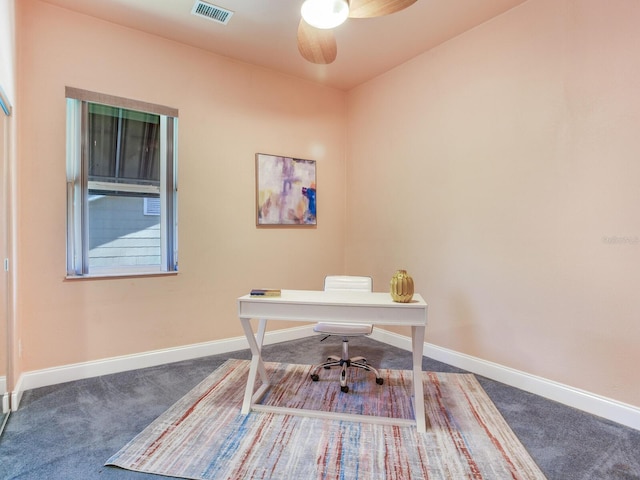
<point x="345" y="330"/>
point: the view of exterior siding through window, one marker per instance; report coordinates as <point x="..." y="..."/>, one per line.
<point x="130" y="238"/>
<point x="124" y="187"/>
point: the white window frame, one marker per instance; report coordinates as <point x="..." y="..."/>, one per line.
<point x="78" y="185"/>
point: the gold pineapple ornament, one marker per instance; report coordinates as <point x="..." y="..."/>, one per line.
<point x="401" y="287"/>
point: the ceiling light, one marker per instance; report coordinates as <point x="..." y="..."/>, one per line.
<point x="325" y="13"/>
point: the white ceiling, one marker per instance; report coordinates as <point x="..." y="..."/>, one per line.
<point x="263" y="32"/>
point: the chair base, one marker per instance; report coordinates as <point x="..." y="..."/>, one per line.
<point x="344" y="363"/>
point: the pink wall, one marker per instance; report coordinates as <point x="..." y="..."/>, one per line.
<point x="228" y="112"/>
<point x="501" y="169"/>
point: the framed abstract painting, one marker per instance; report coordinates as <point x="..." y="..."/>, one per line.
<point x="285" y="191"/>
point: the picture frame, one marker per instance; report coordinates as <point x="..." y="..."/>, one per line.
<point x="285" y="191"/>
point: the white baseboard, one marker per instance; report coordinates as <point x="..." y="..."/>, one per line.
<point x="16" y="395"/>
<point x="4" y="395"/>
<point x="78" y="371"/>
<point x="604" y="407"/>
<point x="594" y="404"/>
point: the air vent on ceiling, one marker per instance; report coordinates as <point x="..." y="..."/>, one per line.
<point x="212" y="12"/>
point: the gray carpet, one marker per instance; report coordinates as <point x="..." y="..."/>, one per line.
<point x="68" y="431"/>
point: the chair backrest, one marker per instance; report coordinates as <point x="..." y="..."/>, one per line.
<point x="348" y="282"/>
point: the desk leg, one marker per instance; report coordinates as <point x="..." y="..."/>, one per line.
<point x="417" y="337"/>
<point x="257" y="365"/>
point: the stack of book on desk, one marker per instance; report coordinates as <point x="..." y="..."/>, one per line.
<point x="265" y="292"/>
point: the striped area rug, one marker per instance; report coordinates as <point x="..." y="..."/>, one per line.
<point x="204" y="436"/>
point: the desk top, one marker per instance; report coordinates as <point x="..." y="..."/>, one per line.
<point x="345" y="306"/>
<point x="344" y="297"/>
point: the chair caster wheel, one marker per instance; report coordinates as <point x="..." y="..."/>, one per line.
<point x="380" y="381"/>
<point x="315" y="377"/>
<point x="345" y="389"/>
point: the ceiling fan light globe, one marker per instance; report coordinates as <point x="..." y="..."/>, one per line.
<point x="325" y="14"/>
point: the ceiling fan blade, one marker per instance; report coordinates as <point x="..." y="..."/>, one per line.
<point x="376" y="8"/>
<point x="316" y="45"/>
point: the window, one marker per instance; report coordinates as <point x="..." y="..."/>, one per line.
<point x="121" y="186"/>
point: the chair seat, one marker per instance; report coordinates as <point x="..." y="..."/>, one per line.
<point x="344" y="329"/>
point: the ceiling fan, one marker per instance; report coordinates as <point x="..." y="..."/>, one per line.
<point x="316" y="41"/>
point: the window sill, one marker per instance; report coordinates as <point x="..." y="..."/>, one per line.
<point x="109" y="276"/>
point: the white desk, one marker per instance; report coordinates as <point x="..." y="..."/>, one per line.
<point x="318" y="306"/>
